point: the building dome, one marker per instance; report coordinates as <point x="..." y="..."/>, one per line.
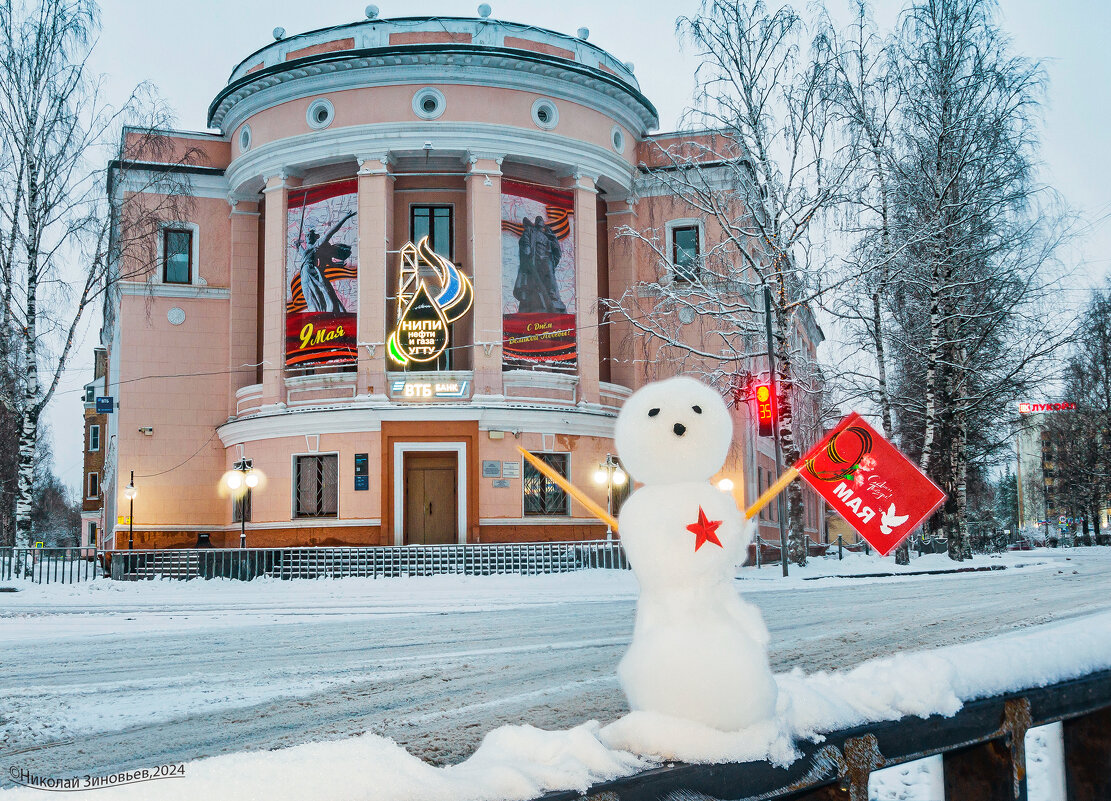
<point x="487" y="85"/>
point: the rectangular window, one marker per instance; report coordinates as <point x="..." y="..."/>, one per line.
<point x="94" y="438"/>
<point x="760" y="491"/>
<point x="316" y="486"/>
<point x="437" y="224"/>
<point x="177" y="256"/>
<point x="94" y="485"/>
<point x="241" y="505"/>
<point x="773" y="507"/>
<point x="543" y="497"/>
<point x="685" y="252"/>
<point x="92" y="535"/>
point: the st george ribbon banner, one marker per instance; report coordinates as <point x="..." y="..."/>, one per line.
<point x="878" y="490"/>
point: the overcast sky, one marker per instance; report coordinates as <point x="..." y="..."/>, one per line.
<point x="188" y="48"/>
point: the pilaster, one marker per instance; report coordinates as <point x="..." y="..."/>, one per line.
<point x="243" y="314"/>
<point x="586" y="285"/>
<point x="274" y="289"/>
<point x="375" y="227"/>
<point x="484" y="213"/>
<point x="622" y="276"/>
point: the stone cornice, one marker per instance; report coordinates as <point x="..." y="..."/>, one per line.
<point x="357" y="415"/>
<point x="434" y="64"/>
<point x="532" y="146"/>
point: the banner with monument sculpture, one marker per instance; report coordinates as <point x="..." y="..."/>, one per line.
<point x="322" y="285"/>
<point x="538" y="278"/>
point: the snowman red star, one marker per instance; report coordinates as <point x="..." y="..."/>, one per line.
<point x="704" y="530"/>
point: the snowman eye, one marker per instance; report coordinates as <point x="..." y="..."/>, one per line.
<point x="697" y="409"/>
<point x="653" y="412"/>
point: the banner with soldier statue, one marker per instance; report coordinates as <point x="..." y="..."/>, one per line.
<point x="322" y="286"/>
<point x="538" y="278"/>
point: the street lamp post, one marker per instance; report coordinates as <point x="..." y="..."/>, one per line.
<point x="130" y="492"/>
<point x="611" y="475"/>
<point x="241" y="480"/>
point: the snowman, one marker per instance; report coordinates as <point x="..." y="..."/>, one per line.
<point x="698" y="651"/>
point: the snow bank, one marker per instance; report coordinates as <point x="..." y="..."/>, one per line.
<point x="513" y="762"/>
<point x="520" y="762"/>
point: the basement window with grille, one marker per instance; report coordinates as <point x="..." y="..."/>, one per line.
<point x="316" y="486"/>
<point x="543" y="497"/>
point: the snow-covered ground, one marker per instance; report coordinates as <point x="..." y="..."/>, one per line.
<point x="111" y="676"/>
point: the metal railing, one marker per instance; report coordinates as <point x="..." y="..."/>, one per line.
<point x="49" y="565"/>
<point x="370" y="562"/>
<point x="982" y="748"/>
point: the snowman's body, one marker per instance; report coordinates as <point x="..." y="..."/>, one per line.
<point x="698" y="651"/>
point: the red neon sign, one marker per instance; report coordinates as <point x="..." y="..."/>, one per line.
<point x="1030" y="408"/>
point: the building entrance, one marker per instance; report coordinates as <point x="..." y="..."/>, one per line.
<point x="431" y="498"/>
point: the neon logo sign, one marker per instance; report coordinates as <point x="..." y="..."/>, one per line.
<point x="1031" y="408"/>
<point x="424" y="313"/>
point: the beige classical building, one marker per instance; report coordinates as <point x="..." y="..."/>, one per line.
<point x="389" y="280"/>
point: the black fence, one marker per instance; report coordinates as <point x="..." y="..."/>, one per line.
<point x="982" y="748"/>
<point x="373" y="562"/>
<point x="49" y="565"/>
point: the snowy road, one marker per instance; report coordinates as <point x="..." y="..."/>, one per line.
<point x="116" y="676"/>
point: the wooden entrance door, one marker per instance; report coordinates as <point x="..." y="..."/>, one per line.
<point x="431" y="499"/>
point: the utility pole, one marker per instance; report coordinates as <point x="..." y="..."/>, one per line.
<point x="779" y="500"/>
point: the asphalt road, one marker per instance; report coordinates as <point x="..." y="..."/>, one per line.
<point x="437" y="680"/>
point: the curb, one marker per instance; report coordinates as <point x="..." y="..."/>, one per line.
<point x="985" y="569"/>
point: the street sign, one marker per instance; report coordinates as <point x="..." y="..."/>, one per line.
<point x="362" y="472"/>
<point x="878" y="490"/>
<point x="105" y="404"/>
<point x="123" y="520"/>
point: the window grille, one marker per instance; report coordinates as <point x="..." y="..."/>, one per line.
<point x="317" y="486"/>
<point x="542" y="495"/>
<point x="240" y="504"/>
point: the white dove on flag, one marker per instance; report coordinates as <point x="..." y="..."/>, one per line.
<point x="889" y="520"/>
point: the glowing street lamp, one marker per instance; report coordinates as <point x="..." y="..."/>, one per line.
<point x="241" y="479"/>
<point x="610" y="474"/>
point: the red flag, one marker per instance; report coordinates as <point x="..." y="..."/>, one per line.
<point x="878" y="490"/>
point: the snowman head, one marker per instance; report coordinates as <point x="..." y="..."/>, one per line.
<point x="673" y="431"/>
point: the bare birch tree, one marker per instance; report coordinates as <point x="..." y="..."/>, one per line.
<point x="60" y="247"/>
<point x="867" y="100"/>
<point x="974" y="305"/>
<point x="951" y="274"/>
<point x="760" y="175"/>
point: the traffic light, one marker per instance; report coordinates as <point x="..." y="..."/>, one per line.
<point x="765" y="410"/>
